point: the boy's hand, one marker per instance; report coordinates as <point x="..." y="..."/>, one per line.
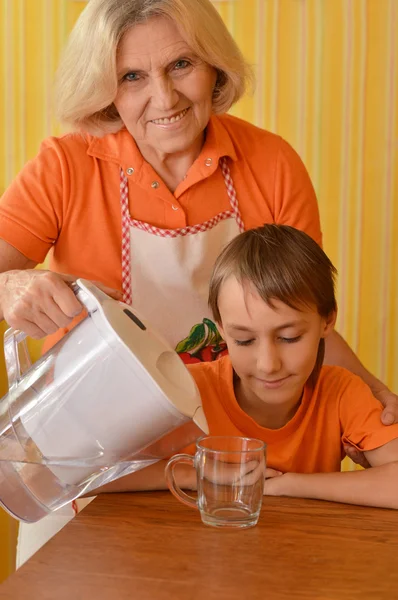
<point x="356" y="456"/>
<point x="226" y="474"/>
<point x="273" y="484"/>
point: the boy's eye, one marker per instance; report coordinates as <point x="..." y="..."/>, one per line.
<point x="243" y="342"/>
<point x="292" y="340"/>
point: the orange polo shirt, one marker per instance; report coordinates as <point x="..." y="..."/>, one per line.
<point x="340" y="410"/>
<point x="67" y="198"/>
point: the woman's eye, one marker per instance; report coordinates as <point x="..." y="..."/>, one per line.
<point x="181" y="64"/>
<point x="131" y="76"/>
<point x="243" y="342"/>
<point x="292" y="340"/>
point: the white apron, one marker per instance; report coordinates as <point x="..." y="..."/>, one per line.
<point x="166" y="273"/>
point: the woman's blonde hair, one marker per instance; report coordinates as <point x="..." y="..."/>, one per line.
<point x="86" y="83"/>
<point x="281" y="263"/>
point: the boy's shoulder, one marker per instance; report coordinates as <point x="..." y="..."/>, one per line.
<point x="339" y="384"/>
<point x="338" y="376"/>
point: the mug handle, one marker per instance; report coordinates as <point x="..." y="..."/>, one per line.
<point x="184" y="459"/>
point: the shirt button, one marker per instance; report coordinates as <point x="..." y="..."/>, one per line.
<point x="174" y="207"/>
<point x="208" y="162"/>
<point x="130" y="171"/>
<point x="155" y="184"/>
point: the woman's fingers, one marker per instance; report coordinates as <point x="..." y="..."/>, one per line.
<point x="109" y="291"/>
<point x="62" y="302"/>
<point x="61" y="310"/>
<point x="30" y="328"/>
<point x="38" y="302"/>
<point x="36" y="323"/>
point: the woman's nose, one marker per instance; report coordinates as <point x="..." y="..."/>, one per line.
<point x="164" y="94"/>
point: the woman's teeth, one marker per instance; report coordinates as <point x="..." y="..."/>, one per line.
<point x="172" y="119"/>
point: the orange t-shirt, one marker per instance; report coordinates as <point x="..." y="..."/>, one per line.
<point x="67" y="198"/>
<point x="340" y="410"/>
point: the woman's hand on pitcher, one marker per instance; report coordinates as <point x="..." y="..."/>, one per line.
<point x="40" y="302"/>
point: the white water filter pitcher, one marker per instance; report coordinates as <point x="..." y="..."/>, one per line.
<point x="110" y="398"/>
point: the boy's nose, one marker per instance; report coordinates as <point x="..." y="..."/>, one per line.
<point x="268" y="361"/>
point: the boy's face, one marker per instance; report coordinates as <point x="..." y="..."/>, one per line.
<point x="273" y="350"/>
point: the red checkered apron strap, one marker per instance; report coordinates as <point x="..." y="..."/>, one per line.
<point x="126" y="271"/>
<point x="231" y="192"/>
<point x="127" y="222"/>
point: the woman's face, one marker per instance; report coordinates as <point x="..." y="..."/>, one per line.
<point x="165" y="92"/>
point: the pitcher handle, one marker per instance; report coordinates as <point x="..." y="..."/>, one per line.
<point x="171" y="482"/>
<point x="88" y="294"/>
<point x="16" y="363"/>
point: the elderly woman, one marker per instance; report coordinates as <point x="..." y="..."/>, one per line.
<point x="154" y="181"/>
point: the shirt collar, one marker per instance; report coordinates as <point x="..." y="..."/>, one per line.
<point x="120" y="147"/>
<point x="218" y="141"/>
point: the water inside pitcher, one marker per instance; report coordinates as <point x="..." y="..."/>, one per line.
<point x="33" y="485"/>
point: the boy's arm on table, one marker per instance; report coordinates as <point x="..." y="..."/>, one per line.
<point x="377" y="486"/>
<point x="150" y="479"/>
<point x="338" y="352"/>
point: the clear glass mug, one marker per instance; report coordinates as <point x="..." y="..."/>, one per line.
<point x="230" y="475"/>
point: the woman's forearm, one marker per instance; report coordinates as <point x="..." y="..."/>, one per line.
<point x="377" y="486"/>
<point x="338" y="352"/>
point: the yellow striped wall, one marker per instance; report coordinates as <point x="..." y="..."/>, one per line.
<point x="326" y="81"/>
<point x="327" y="77"/>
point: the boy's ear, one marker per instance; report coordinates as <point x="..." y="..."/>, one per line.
<point x="329" y="323"/>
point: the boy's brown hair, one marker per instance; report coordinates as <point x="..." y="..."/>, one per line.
<point x="281" y="263"/>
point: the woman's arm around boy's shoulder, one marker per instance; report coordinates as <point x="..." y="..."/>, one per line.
<point x="360" y="425"/>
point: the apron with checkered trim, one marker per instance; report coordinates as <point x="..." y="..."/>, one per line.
<point x="166" y="273"/>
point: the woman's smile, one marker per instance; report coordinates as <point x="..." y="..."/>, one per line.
<point x="173" y="120"/>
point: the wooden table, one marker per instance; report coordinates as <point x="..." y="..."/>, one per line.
<point x="149" y="546"/>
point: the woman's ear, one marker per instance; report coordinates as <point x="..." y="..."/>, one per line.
<point x="329" y="323"/>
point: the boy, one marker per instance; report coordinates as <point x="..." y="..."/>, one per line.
<point x="272" y="296"/>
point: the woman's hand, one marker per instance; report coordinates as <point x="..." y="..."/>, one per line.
<point x="389" y="416"/>
<point x="390" y="402"/>
<point x="40" y="302"/>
